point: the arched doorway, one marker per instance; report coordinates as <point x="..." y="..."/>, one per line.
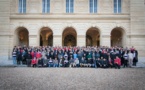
<point x="118" y="37"/>
<point x="93" y="37"/>
<point x="46" y="37"/>
<point x="21" y="37"/>
<point x="69" y="37"/>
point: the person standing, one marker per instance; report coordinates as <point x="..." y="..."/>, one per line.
<point x="50" y="63"/>
<point x="135" y="58"/>
<point x="130" y="58"/>
<point x="34" y="62"/>
<point x="76" y="62"/>
<point x="19" y="56"/>
<point x="29" y="58"/>
<point x="125" y="57"/>
<point x="14" y="56"/>
<point x="55" y="61"/>
<point x="117" y="62"/>
<point x="66" y="63"/>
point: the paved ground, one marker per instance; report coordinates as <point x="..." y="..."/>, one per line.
<point x="22" y="78"/>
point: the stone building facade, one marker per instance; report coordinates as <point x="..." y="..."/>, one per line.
<point x="71" y="23"/>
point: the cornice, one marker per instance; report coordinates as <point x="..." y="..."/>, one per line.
<point x="72" y="16"/>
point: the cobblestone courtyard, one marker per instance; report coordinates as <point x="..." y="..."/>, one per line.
<point x="22" y="78"/>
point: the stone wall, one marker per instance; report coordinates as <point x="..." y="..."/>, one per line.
<point x="4" y="30"/>
<point x="137" y="25"/>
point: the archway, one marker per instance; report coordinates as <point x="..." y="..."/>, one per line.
<point x="21" y="37"/>
<point x="46" y="37"/>
<point x="69" y="37"/>
<point x="93" y="37"/>
<point x="118" y="37"/>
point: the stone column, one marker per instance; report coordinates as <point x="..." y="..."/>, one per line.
<point x="57" y="40"/>
<point x="33" y="40"/>
<point x="105" y="40"/>
<point x="81" y="40"/>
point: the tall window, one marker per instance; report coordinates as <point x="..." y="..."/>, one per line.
<point x="117" y="6"/>
<point x="46" y="6"/>
<point x="93" y="6"/>
<point x="22" y="6"/>
<point x="69" y="6"/>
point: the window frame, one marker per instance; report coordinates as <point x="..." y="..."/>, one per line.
<point x="22" y="6"/>
<point x="93" y="9"/>
<point x="69" y="6"/>
<point x="45" y="6"/>
<point x="118" y="8"/>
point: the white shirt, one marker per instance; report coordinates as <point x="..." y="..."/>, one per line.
<point x="130" y="55"/>
<point x="77" y="61"/>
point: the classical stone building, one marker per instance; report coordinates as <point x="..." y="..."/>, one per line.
<point x="71" y="23"/>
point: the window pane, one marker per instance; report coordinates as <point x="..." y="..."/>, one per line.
<point x="24" y="6"/>
<point x="95" y="6"/>
<point x="67" y="6"/>
<point x="71" y="6"/>
<point x="20" y="6"/>
<point x="91" y="6"/>
<point x="48" y="6"/>
<point x="43" y="6"/>
<point x="115" y="6"/>
<point x="119" y="6"/>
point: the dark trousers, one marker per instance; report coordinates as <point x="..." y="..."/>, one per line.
<point x="66" y="64"/>
<point x="28" y="62"/>
<point x="125" y="63"/>
<point x="110" y="65"/>
<point x="34" y="65"/>
<point x="117" y="66"/>
<point x="134" y="62"/>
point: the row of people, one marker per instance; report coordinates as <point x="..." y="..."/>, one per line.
<point x="63" y="62"/>
<point x="128" y="57"/>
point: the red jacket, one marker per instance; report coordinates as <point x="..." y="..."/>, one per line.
<point x="118" y="61"/>
<point x="34" y="61"/>
<point x="32" y="53"/>
<point x="38" y="55"/>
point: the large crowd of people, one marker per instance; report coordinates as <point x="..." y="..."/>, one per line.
<point x="95" y="57"/>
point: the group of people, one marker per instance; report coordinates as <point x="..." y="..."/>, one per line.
<point x="102" y="57"/>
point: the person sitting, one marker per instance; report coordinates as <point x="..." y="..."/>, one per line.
<point x="66" y="63"/>
<point x="89" y="58"/>
<point x="104" y="63"/>
<point x="100" y="62"/>
<point x="110" y="63"/>
<point x="82" y="63"/>
<point x="71" y="61"/>
<point x="45" y="62"/>
<point x="34" y="62"/>
<point x="50" y="63"/>
<point x="94" y="62"/>
<point x="76" y="63"/>
<point x="40" y="62"/>
<point x="55" y="62"/>
<point x="61" y="62"/>
<point x="117" y="62"/>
